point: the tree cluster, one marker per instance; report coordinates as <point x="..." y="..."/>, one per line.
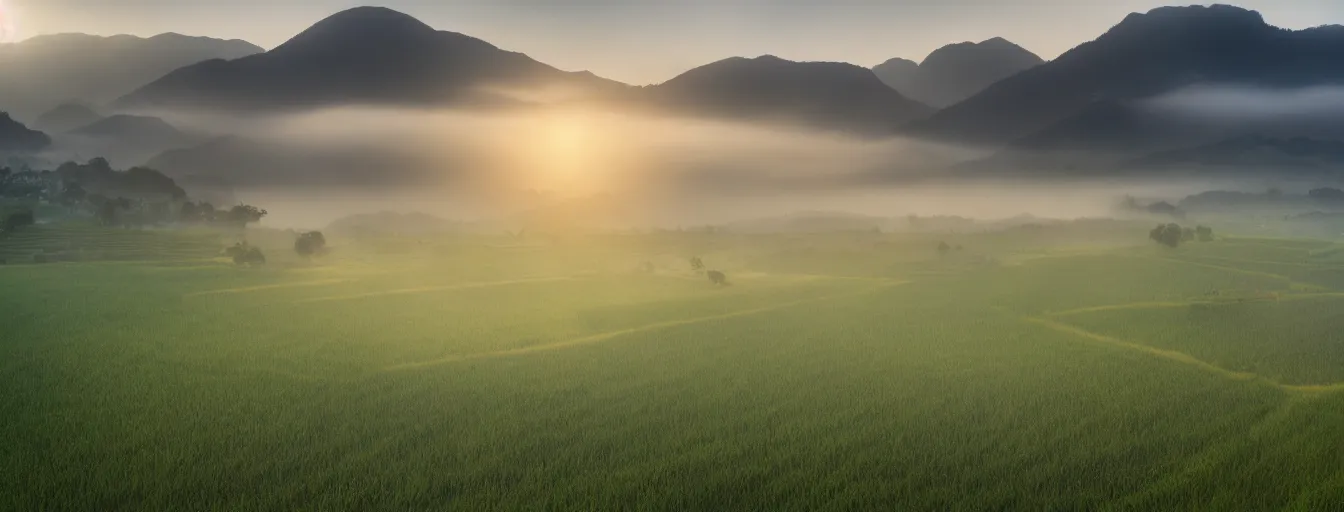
<point x="1173" y="235"/>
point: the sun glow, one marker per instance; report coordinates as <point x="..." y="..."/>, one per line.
<point x="8" y="30"/>
<point x="570" y="153"/>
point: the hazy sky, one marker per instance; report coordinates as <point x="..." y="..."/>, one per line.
<point x="645" y="41"/>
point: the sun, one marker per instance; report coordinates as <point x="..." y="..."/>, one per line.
<point x="569" y="153"/>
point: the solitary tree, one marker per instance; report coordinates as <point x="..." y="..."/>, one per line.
<point x="245" y="214"/>
<point x="697" y="264"/>
<point x="943" y="248"/>
<point x="310" y="244"/>
<point x="717" y="278"/>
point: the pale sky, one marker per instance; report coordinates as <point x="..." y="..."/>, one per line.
<point x="648" y="41"/>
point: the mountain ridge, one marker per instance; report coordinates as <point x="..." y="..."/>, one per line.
<point x="833" y="95"/>
<point x="361" y="55"/>
<point x="1142" y="56"/>
<point x="43" y="72"/>
<point x="956" y="71"/>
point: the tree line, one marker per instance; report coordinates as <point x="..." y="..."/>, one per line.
<point x="137" y="197"/>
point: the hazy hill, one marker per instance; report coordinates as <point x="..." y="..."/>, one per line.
<point x="391" y="223"/>
<point x="826" y="94"/>
<point x="15" y="137"/>
<point x="367" y="55"/>
<point x="957" y="71"/>
<point x="132" y="128"/>
<point x="127" y="140"/>
<point x="1251" y="154"/>
<point x="1146" y="55"/>
<point x="41" y="73"/>
<point x="66" y="117"/>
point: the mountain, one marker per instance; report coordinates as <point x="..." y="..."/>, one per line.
<point x="66" y="117"/>
<point x="127" y="140"/>
<point x="16" y="137"/>
<point x="46" y="71"/>
<point x="369" y="55"/>
<point x="955" y="72"/>
<point x="131" y="128"/>
<point x="824" y="94"/>
<point x="1144" y="56"/>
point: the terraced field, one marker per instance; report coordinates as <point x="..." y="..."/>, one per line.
<point x="844" y="372"/>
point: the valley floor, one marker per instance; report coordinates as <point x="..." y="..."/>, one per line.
<point x="838" y="372"/>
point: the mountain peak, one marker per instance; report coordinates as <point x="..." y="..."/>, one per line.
<point x="956" y="71"/>
<point x="67" y="116"/>
<point x="359" y="28"/>
<point x="370" y="16"/>
<point x="363" y="55"/>
<point x="1194" y="17"/>
<point x="830" y="95"/>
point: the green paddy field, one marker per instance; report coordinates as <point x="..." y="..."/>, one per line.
<point x="1032" y="370"/>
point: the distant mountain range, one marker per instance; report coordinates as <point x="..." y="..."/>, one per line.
<point x="1103" y="107"/>
<point x="371" y="55"/>
<point x="1146" y="55"/>
<point x="41" y="73"/>
<point x="955" y="72"/>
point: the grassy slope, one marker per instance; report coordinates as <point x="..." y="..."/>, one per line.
<point x="142" y="386"/>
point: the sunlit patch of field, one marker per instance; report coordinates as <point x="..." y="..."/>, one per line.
<point x="839" y="371"/>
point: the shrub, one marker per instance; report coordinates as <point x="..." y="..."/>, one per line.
<point x="718" y="278"/>
<point x="310" y="244"/>
<point x="250" y="256"/>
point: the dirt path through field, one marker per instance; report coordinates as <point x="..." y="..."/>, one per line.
<point x="246" y="289"/>
<point x="606" y="336"/>
<point x="1180" y="357"/>
<point x="429" y="289"/>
